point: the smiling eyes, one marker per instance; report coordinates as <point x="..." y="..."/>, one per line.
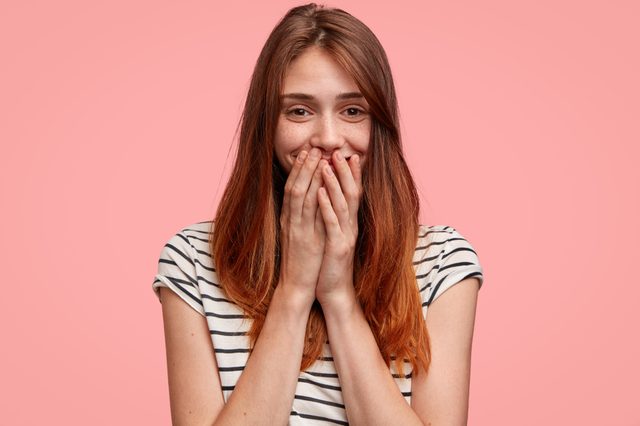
<point x="299" y="112"/>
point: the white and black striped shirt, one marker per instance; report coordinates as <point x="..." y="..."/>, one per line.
<point x="442" y="258"/>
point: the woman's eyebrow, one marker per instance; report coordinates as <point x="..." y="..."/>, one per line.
<point x="307" y="97"/>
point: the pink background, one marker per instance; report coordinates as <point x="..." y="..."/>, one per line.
<point x="520" y="122"/>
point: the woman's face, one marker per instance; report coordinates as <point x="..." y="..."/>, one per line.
<point x="322" y="107"/>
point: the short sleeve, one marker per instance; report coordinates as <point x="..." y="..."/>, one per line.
<point x="457" y="261"/>
<point x="177" y="271"/>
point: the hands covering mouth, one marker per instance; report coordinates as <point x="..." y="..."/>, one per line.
<point x="319" y="227"/>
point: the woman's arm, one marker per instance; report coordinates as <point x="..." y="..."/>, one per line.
<point x="265" y="390"/>
<point x="195" y="393"/>
<point x="441" y="397"/>
<point x="370" y="394"/>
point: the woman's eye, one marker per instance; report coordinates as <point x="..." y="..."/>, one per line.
<point x="354" y="112"/>
<point x="298" y="112"/>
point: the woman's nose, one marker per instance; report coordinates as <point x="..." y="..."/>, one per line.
<point x="328" y="135"/>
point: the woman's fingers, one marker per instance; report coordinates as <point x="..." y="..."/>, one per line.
<point x="300" y="185"/>
<point x="295" y="170"/>
<point x="334" y="207"/>
<point x="319" y="226"/>
<point x="356" y="171"/>
<point x="343" y="189"/>
<point x="310" y="206"/>
<point x="338" y="195"/>
<point x="350" y="177"/>
<point x="331" y="222"/>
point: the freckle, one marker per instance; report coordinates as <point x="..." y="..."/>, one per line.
<point x="192" y="334"/>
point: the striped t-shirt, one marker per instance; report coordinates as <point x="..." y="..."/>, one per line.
<point x="442" y="258"/>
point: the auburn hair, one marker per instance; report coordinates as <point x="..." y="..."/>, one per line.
<point x="245" y="236"/>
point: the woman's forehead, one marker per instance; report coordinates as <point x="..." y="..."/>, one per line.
<point x="315" y="70"/>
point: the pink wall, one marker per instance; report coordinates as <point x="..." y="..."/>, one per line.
<point x="520" y="121"/>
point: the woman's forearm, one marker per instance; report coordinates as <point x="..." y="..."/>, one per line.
<point x="370" y="394"/>
<point x="265" y="390"/>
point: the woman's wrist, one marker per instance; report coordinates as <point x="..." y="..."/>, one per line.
<point x="339" y="303"/>
<point x="293" y="299"/>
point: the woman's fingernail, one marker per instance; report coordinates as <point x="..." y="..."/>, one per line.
<point x="357" y="158"/>
<point x="302" y="156"/>
<point x="328" y="170"/>
<point x="339" y="156"/>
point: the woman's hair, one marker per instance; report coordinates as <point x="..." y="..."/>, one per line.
<point x="245" y="239"/>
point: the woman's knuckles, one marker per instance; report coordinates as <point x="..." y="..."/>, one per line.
<point x="287" y="188"/>
<point x="340" y="251"/>
<point x="298" y="191"/>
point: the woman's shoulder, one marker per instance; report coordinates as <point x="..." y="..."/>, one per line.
<point x="434" y="236"/>
<point x="439" y="234"/>
<point x="197" y="235"/>
<point x="202" y="228"/>
<point x="442" y="241"/>
<point x="192" y="243"/>
<point x="184" y="264"/>
<point x="443" y="257"/>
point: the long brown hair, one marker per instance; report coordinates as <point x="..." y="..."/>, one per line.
<point x="245" y="236"/>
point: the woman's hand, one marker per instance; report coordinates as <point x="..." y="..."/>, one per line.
<point x="302" y="230"/>
<point x="339" y="201"/>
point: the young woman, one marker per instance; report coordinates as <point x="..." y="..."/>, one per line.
<point x="311" y="299"/>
